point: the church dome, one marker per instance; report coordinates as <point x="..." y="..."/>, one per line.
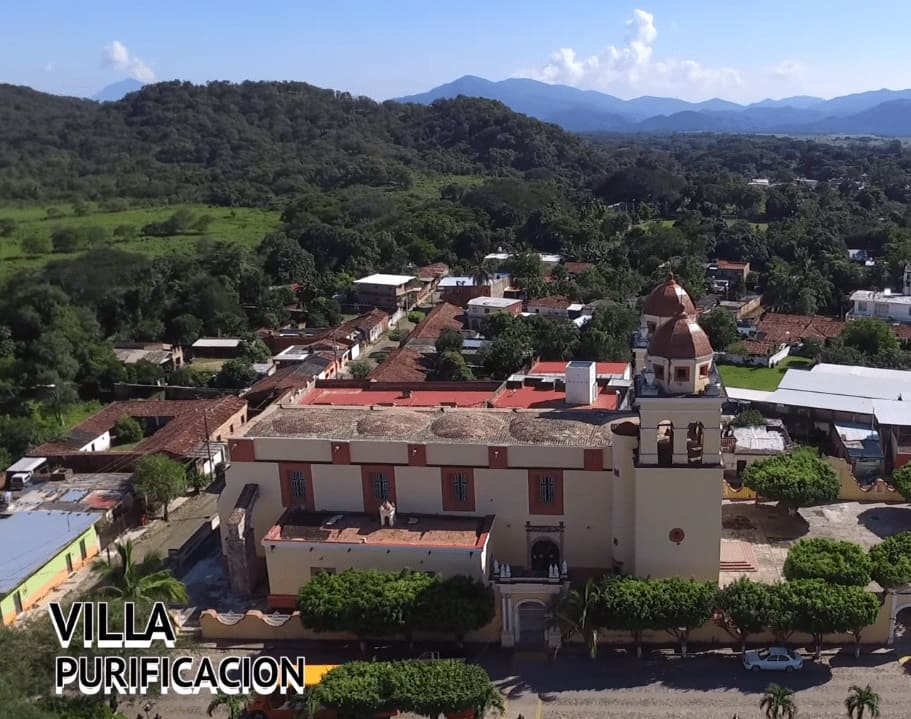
<point x="667" y="299"/>
<point x="680" y="338"/>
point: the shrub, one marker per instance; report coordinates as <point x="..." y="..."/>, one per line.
<point x="891" y="560"/>
<point x="831" y="560"/>
<point x="796" y="479"/>
<point x="359" y="368"/>
<point x="749" y="418"/>
<point x="415" y="316"/>
<point x="128" y="430"/>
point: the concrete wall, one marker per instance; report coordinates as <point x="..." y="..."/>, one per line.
<point x="365" y="452"/>
<point x="268" y="507"/>
<point x="678" y="498"/>
<point x="54" y="573"/>
<point x="457" y="455"/>
<point x="536" y="456"/>
<point x="419" y="490"/>
<point x="337" y="487"/>
<point x="291" y="564"/>
<point x="293" y="450"/>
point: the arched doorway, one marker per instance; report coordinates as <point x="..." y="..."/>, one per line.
<point x="901" y="632"/>
<point x="531" y="623"/>
<point x="544" y="554"/>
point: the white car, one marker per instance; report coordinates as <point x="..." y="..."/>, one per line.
<point x="772" y="659"/>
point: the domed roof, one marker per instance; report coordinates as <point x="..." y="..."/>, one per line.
<point x="680" y="338"/>
<point x="667" y="299"/>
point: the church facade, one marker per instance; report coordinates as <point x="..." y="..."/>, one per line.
<point x="527" y="499"/>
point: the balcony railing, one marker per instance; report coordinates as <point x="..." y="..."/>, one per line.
<point x="508" y="574"/>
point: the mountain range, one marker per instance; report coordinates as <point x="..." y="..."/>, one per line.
<point x="117" y="90"/>
<point x="878" y="112"/>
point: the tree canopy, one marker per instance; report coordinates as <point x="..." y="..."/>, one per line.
<point x="796" y="480"/>
<point x="891" y="560"/>
<point x="834" y="561"/>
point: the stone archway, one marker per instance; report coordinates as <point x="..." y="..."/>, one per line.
<point x="531" y="623"/>
<point x="544" y="554"/>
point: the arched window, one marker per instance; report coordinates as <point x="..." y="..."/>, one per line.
<point x="544" y="554"/>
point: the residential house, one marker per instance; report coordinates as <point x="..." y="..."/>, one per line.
<point x="481" y="307"/>
<point x="166" y="356"/>
<point x="885" y="305"/>
<point x="553" y="306"/>
<point x="388" y="292"/>
<point x="191" y="431"/>
<point x="741" y="446"/>
<point x="861" y="447"/>
<point x="459" y="290"/>
<point x="217" y="347"/>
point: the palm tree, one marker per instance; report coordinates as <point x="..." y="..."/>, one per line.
<point x="862" y="703"/>
<point x="134" y="581"/>
<point x="234" y="704"/>
<point x="778" y="703"/>
<point x="574" y="614"/>
<point x="481" y="271"/>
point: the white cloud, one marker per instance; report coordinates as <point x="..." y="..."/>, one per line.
<point x="630" y="69"/>
<point x="115" y="54"/>
<point x="792" y="70"/>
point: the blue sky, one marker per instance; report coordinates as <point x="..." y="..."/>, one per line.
<point x="693" y="49"/>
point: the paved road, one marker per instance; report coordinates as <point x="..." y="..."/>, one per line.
<point x="711" y="686"/>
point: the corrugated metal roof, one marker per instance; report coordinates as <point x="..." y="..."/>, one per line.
<point x="872" y="386"/>
<point x="821" y="400"/>
<point x="747" y="395"/>
<point x="893" y="412"/>
<point x="26" y="464"/>
<point x="37" y="538"/>
<point x="217" y="342"/>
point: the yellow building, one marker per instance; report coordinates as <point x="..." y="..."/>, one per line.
<point x="439" y="478"/>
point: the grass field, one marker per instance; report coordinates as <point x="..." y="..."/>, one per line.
<point x="764" y="379"/>
<point x="245" y="226"/>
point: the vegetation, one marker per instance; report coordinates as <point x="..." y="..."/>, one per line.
<point x="159" y="479"/>
<point x="778" y="703"/>
<point x="428" y="689"/>
<point x="745" y="607"/>
<point x="372" y="603"/>
<point x="749" y="418"/>
<point x="575" y="612"/>
<point x="891" y="560"/>
<point x="131" y="581"/>
<point x="796" y="480"/>
<point x="762" y="379"/>
<point x="359" y="369"/>
<point x="862" y="703"/>
<point x="721" y="328"/>
<point x="834" y="561"/>
<point x="234" y="705"/>
<point x="901" y="480"/>
<point x="128" y="430"/>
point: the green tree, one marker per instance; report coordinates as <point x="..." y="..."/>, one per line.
<point x="870" y="336"/>
<point x="575" y="613"/>
<point x="745" y="607"/>
<point x="455" y="605"/>
<point x="451" y="366"/>
<point x="721" y="328"/>
<point x="681" y="605"/>
<point x="146" y="581"/>
<point x="128" y="430"/>
<point x="901" y="480"/>
<point x="188" y="376"/>
<point x="236" y="374"/>
<point x="364" y="602"/>
<point x="749" y="418"/>
<point x="449" y="340"/>
<point x="778" y="703"/>
<point x="285" y="261"/>
<point x="7" y="227"/>
<point x="832" y="560"/>
<point x="507" y="354"/>
<point x="796" y="480"/>
<point x="359" y="369"/>
<point x="626" y="604"/>
<point x="891" y="560"/>
<point x="233" y="704"/>
<point x="159" y="479"/>
<point x="145" y="372"/>
<point x="35" y="244"/>
<point x="862" y="703"/>
<point x="821" y="608"/>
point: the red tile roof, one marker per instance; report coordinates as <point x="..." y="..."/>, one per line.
<point x="183" y="432"/>
<point x="368" y="321"/>
<point x="285" y="379"/>
<point x="442" y="316"/>
<point x="401" y="365"/>
<point x="729" y="265"/>
<point x="780" y="328"/>
<point x="667" y="299"/>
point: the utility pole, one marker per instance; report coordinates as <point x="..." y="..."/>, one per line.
<point x="205" y="424"/>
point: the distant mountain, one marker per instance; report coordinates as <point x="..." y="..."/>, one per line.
<point x="116" y="91"/>
<point x="872" y="113"/>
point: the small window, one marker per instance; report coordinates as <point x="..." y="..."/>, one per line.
<point x="459" y="487"/>
<point x="681" y="374"/>
<point x="703" y="370"/>
<point x="298" y="486"/>
<point x="314" y="571"/>
<point x="83" y="550"/>
<point x="380" y="487"/>
<point x="547" y="489"/>
<point x="17" y="601"/>
<point x="659" y="371"/>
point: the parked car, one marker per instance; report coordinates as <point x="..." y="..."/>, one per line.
<point x="772" y="659"/>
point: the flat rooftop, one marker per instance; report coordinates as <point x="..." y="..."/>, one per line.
<point x="574" y="428"/>
<point x="759" y="440"/>
<point x="424" y="530"/>
<point x="493" y="302"/>
<point x="358" y="397"/>
<point x="531" y="397"/>
<point x="558" y="367"/>
<point x="34" y="539"/>
<point x="381" y="279"/>
<point x="99" y="491"/>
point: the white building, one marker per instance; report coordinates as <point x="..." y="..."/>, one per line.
<point x="885" y="305"/>
<point x="481" y="307"/>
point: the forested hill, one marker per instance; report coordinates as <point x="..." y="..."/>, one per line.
<point x="250" y="143"/>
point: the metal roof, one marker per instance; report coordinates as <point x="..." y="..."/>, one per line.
<point x="381" y="279"/>
<point x="26" y="464"/>
<point x="759" y="439"/>
<point x="217" y="342"/>
<point x="37" y="538"/>
<point x="860" y="441"/>
<point x="821" y="400"/>
<point x="747" y="395"/>
<point x="833" y="379"/>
